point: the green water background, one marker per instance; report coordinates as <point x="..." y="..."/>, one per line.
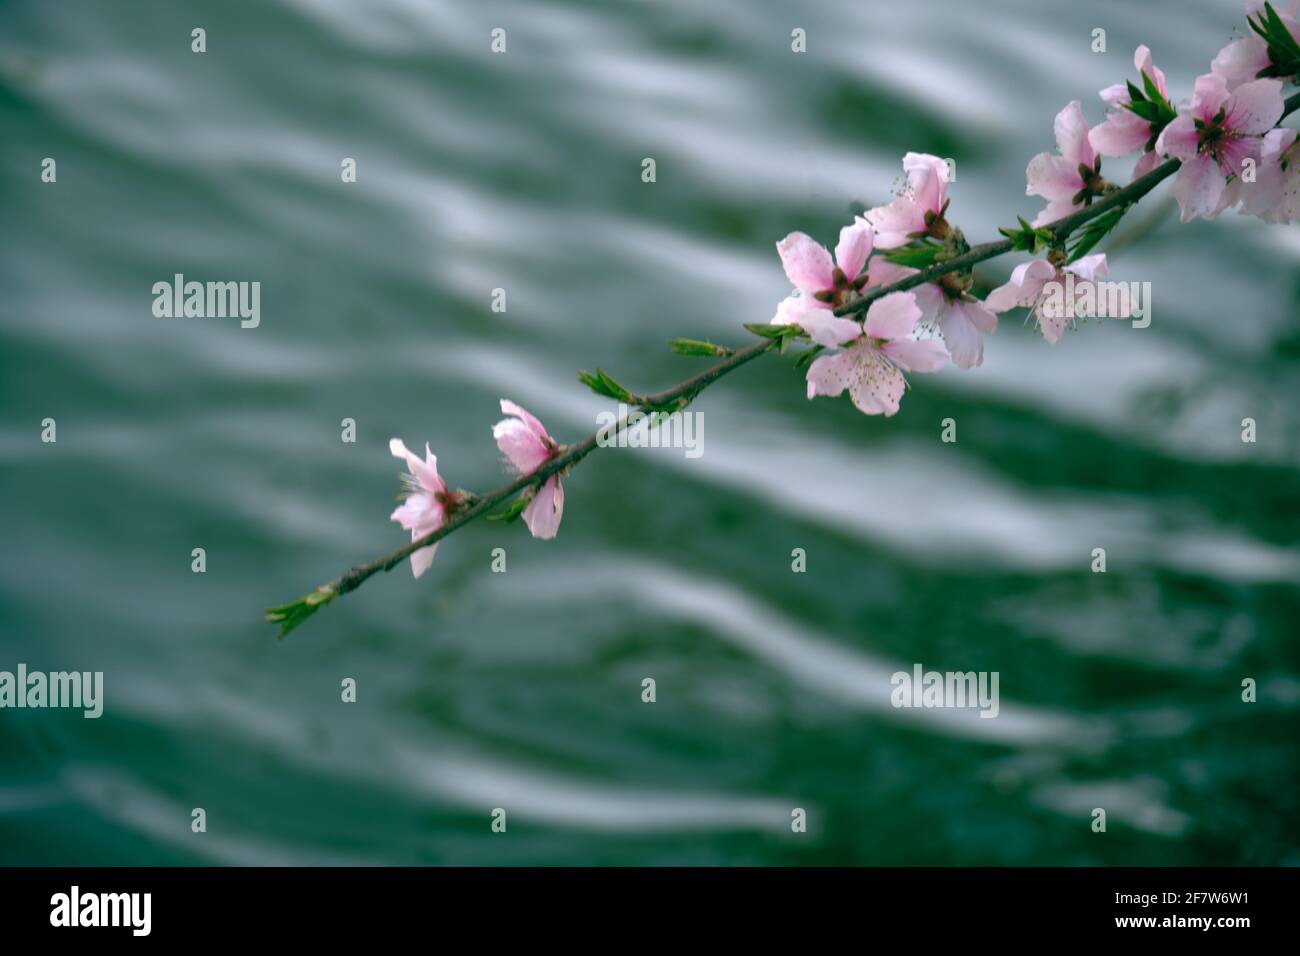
<point x="523" y="690"/>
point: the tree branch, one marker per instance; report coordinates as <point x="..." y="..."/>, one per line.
<point x="290" y="615"/>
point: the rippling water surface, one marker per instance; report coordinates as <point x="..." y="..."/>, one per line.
<point x="522" y="690"/>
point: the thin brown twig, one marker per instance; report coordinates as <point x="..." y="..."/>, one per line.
<point x="292" y="614"/>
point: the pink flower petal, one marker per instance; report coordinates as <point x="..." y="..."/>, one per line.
<point x="895" y="222"/>
<point x="1255" y="107"/>
<point x="791" y="307"/>
<point x="877" y="385"/>
<point x="1052" y="177"/>
<point x="1072" y="136"/>
<point x="917" y="355"/>
<point x="961" y="336"/>
<point x="536" y="427"/>
<point x="1116" y="95"/>
<point x="1021" y="291"/>
<point x="1179" y="139"/>
<point x="420" y="513"/>
<point x="1209" y="96"/>
<point x="1054" y="210"/>
<point x="544" y="512"/>
<point x="927" y="181"/>
<point x="1053" y="327"/>
<point x="930" y="299"/>
<point x="1266" y="196"/>
<point x="830" y="374"/>
<point x="893" y="316"/>
<point x="425" y="472"/>
<point x="881" y="271"/>
<point x="1198" y="187"/>
<point x="806" y="262"/>
<point x="422" y="559"/>
<point x="980" y="315"/>
<point x="824" y="328"/>
<point x="1122" y="133"/>
<point x="1091" y="267"/>
<point x="854" y="247"/>
<point x="520" y="444"/>
<point x="1240" y="61"/>
<point x="1146" y="163"/>
<point x="1142" y="60"/>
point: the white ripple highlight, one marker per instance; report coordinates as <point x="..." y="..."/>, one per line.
<point x="445" y="771"/>
<point x="805" y="656"/>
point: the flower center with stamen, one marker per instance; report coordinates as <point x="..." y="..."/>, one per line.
<point x="1213" y="137"/>
<point x="844" y="291"/>
<point x="1094" y="184"/>
<point x="451" y="501"/>
<point x="936" y="226"/>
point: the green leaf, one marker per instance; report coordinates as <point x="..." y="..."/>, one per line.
<point x="915" y="256"/>
<point x="1151" y="112"/>
<point x="805" y="357"/>
<point x="774" y="331"/>
<point x="512" y="511"/>
<point x="698" y="347"/>
<point x="1258" y="25"/>
<point x="290" y="615"/>
<point x="1281" y="36"/>
<point x="1096" y="230"/>
<point x="1283" y="49"/>
<point x="602" y="384"/>
<point x="1153" y="91"/>
<point x="1027" y="238"/>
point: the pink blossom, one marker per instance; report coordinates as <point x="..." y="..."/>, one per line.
<point x="427" y="501"/>
<point x="947" y="306"/>
<point x="920" y="209"/>
<point x="823" y="282"/>
<point x="1071" y="180"/>
<point x="1274" y="196"/>
<point x="525" y="443"/>
<point x="1029" y="287"/>
<point x="822" y="325"/>
<point x="1245" y="58"/>
<point x="1215" y="136"/>
<point x="1279" y="178"/>
<point x="1123" y="131"/>
<point x="871" y="367"/>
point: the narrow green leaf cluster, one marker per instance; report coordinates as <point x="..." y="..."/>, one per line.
<point x="699" y="347"/>
<point x="917" y="255"/>
<point x="781" y="332"/>
<point x="290" y="615"/>
<point x="1027" y="238"/>
<point x="512" y="511"/>
<point x="1151" y="105"/>
<point x="805" y="357"/>
<point x="602" y="384"/>
<point x="1095" y="231"/>
<point x="1283" y="50"/>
